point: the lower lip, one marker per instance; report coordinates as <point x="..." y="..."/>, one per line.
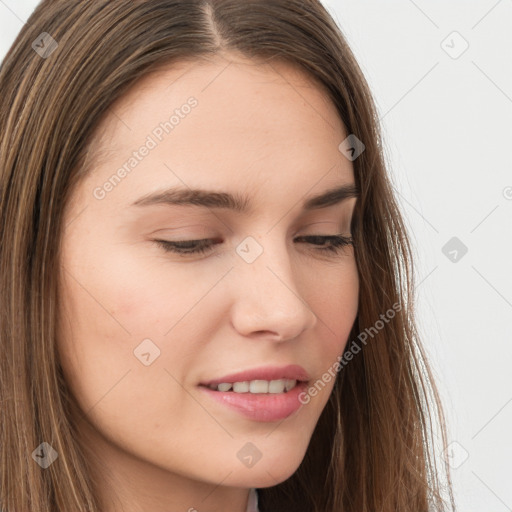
<point x="261" y="406"/>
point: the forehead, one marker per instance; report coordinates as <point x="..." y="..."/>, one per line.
<point x="252" y="121"/>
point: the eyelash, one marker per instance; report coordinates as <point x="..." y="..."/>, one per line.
<point x="338" y="243"/>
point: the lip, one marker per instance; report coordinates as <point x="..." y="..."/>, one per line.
<point x="291" y="371"/>
<point x="262" y="407"/>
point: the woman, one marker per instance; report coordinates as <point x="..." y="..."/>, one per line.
<point x="206" y="279"/>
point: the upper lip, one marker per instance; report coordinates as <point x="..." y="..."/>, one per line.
<point x="291" y="371"/>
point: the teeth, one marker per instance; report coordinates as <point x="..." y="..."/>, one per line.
<point x="257" y="386"/>
<point x="290" y="383"/>
<point x="240" y="387"/>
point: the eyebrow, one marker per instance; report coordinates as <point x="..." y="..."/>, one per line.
<point x="236" y="202"/>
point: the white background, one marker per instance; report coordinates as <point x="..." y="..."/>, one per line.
<point x="447" y="132"/>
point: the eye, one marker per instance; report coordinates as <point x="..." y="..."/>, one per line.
<point x="335" y="244"/>
<point x="185" y="247"/>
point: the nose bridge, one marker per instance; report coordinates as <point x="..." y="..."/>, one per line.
<point x="267" y="297"/>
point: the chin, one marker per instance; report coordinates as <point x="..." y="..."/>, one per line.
<point x="268" y="472"/>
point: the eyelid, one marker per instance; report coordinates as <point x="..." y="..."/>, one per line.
<point x="335" y="245"/>
<point x="208" y="232"/>
<point x="199" y="227"/>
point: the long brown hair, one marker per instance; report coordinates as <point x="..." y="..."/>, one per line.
<point x="373" y="447"/>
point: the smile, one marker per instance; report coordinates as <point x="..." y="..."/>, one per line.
<point x="256" y="386"/>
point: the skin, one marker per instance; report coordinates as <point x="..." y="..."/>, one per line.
<point x="265" y="131"/>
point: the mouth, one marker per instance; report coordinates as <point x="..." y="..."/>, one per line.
<point x="263" y="394"/>
<point x="262" y="380"/>
<point x="256" y="386"/>
<point x="258" y="400"/>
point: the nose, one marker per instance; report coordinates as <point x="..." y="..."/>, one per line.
<point x="266" y="299"/>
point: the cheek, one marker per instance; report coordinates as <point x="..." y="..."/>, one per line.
<point x="150" y="294"/>
<point x="335" y="302"/>
<point x="100" y="331"/>
<point x="128" y="295"/>
<point x="336" y="299"/>
<point x="110" y="308"/>
<point x="93" y="346"/>
<point x="99" y="293"/>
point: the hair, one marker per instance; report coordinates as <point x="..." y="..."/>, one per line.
<point x="374" y="446"/>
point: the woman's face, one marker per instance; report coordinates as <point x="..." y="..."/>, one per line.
<point x="144" y="328"/>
